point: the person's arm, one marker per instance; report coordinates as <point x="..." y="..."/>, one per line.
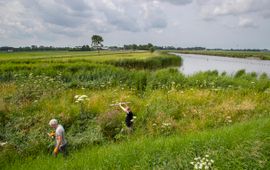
<point x="51" y="135"/>
<point x="124" y="109"/>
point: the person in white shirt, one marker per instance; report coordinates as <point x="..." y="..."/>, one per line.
<point x="60" y="141"/>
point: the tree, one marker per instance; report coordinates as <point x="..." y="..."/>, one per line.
<point x="152" y="49"/>
<point x="97" y="42"/>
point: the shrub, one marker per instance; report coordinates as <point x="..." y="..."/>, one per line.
<point x="110" y="123"/>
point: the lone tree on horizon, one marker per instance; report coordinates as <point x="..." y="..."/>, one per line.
<point x="97" y="42"/>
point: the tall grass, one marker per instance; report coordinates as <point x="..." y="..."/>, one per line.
<point x="242" y="146"/>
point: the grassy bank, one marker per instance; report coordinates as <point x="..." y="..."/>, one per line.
<point x="241" y="146"/>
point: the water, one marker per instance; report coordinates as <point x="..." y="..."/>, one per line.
<point x="195" y="63"/>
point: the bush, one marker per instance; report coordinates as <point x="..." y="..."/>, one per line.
<point x="110" y="123"/>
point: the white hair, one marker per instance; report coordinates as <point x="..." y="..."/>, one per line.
<point x="53" y="122"/>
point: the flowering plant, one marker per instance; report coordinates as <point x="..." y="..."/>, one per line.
<point x="202" y="163"/>
<point x="81" y="99"/>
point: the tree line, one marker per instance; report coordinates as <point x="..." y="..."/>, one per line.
<point x="97" y="45"/>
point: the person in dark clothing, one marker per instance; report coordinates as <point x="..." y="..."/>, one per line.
<point x="129" y="116"/>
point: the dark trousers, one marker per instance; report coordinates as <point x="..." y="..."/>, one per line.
<point x="63" y="150"/>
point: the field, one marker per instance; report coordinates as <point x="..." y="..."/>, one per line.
<point x="180" y="120"/>
<point x="236" y="54"/>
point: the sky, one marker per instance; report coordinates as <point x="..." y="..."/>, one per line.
<point x="180" y="23"/>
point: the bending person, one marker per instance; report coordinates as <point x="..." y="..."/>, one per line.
<point x="129" y="116"/>
<point x="60" y="141"/>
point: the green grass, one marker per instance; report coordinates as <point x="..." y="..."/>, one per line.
<point x="242" y="146"/>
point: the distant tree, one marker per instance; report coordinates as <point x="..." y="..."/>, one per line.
<point x="149" y="46"/>
<point x="152" y="49"/>
<point x="34" y="47"/>
<point x="97" y="42"/>
<point x="134" y="47"/>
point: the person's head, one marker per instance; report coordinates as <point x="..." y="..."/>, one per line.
<point x="128" y="109"/>
<point x="53" y="123"/>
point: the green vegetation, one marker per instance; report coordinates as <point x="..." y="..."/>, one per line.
<point x="237" y="54"/>
<point x="242" y="146"/>
<point x="178" y="118"/>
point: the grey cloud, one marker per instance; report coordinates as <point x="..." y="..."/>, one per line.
<point x="178" y="2"/>
<point x="65" y="31"/>
<point x="212" y="8"/>
<point x="132" y="16"/>
<point x="247" y="23"/>
<point x="124" y="23"/>
<point x="33" y="18"/>
<point x="56" y="13"/>
<point x="116" y="15"/>
<point x="78" y="5"/>
<point x="266" y="15"/>
<point x="153" y="17"/>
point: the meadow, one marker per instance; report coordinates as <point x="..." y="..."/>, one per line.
<point x="181" y="121"/>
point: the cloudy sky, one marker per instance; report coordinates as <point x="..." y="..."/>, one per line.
<point x="181" y="23"/>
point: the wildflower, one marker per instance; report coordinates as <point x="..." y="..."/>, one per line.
<point x="80" y="98"/>
<point x="166" y="124"/>
<point x="228" y="119"/>
<point x="84" y="96"/>
<point x="3" y="143"/>
<point x="202" y="163"/>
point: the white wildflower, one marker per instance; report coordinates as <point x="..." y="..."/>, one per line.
<point x="3" y="143"/>
<point x="84" y="96"/>
<point x="202" y="163"/>
<point x="80" y="98"/>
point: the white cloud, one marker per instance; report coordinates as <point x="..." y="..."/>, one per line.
<point x="55" y="22"/>
<point x="212" y="9"/>
<point x="235" y="13"/>
<point x="177" y="2"/>
<point x="50" y="20"/>
<point x="246" y="22"/>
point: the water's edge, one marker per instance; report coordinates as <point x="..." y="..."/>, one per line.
<point x="193" y="63"/>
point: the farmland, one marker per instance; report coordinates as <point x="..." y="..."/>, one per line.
<point x="178" y="118"/>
